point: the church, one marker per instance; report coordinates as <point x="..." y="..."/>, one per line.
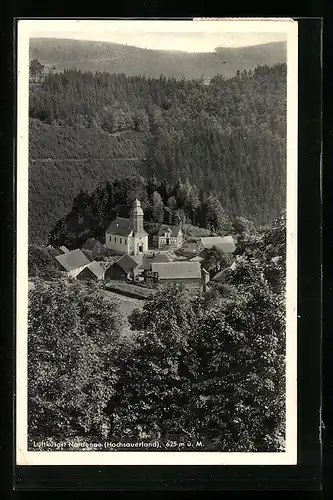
<point x="127" y="235"/>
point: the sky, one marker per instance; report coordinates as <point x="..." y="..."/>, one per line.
<point x="164" y="35"/>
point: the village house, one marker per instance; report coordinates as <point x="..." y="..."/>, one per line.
<point x="189" y="248"/>
<point x="154" y="257"/>
<point x="92" y="272"/>
<point x="123" y="268"/>
<point x="127" y="236"/>
<point x="189" y="273"/>
<point x="93" y="249"/>
<point x="72" y="262"/>
<point x="169" y="236"/>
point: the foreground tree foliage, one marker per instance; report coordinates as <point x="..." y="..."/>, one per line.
<point x="203" y="366"/>
<point x="73" y="341"/>
<point x="212" y="369"/>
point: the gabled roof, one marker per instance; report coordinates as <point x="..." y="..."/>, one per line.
<point x="173" y="230"/>
<point x="90" y="244"/>
<point x="96" y="269"/>
<point x="120" y="226"/>
<point x="189" y="247"/>
<point x="225" y="243"/>
<point x="126" y="263"/>
<point x="73" y="260"/>
<point x="137" y="258"/>
<point x="177" y="270"/>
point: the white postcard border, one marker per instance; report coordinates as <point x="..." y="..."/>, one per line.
<point x="25" y="457"/>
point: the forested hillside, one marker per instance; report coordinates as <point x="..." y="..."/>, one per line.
<point x="117" y="58"/>
<point x="227" y="138"/>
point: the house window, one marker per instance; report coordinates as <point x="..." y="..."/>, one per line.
<point x="125" y="241"/>
<point x="109" y="238"/>
<point x="115" y="239"/>
<point x="121" y="240"/>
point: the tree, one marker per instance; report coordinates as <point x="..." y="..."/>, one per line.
<point x="242" y="225"/>
<point x="152" y="401"/>
<point x="157" y="208"/>
<point x="41" y="263"/>
<point x="215" y="260"/>
<point x="73" y="341"/>
<point x="35" y="69"/>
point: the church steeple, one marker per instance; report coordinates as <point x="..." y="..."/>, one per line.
<point x="137" y="218"/>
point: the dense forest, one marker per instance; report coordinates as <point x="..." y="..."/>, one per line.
<point x="227" y="138"/>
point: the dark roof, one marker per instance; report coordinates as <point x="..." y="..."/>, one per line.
<point x="225" y="243"/>
<point x="173" y="230"/>
<point x="73" y="260"/>
<point x="90" y="244"/>
<point x="177" y="270"/>
<point x="126" y="263"/>
<point x="120" y="226"/>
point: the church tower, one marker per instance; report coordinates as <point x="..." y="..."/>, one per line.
<point x="140" y="237"/>
<point x="137" y="219"/>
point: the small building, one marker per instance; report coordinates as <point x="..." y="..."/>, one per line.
<point x="92" y="272"/>
<point x="225" y="243"/>
<point x="122" y="269"/>
<point x="189" y="248"/>
<point x="127" y="236"/>
<point x="154" y="257"/>
<point x="177" y="272"/>
<point x="93" y="249"/>
<point x="72" y="262"/>
<point x="169" y="236"/>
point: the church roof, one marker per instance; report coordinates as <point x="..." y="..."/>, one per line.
<point x="177" y="270"/>
<point x="120" y="226"/>
<point x="73" y="260"/>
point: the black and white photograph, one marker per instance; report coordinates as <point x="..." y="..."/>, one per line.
<point x="156" y="242"/>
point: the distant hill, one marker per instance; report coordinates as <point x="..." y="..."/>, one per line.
<point x="117" y="58"/>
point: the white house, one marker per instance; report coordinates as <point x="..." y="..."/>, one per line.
<point x="72" y="262"/>
<point x="127" y="235"/>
